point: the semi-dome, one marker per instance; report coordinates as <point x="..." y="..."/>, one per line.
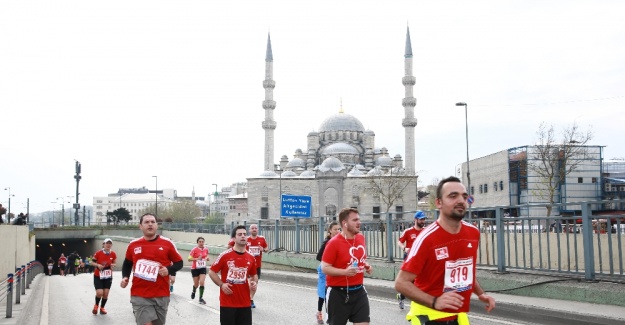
<point x="331" y="163"/>
<point x="307" y="174"/>
<point x="289" y="173"/>
<point x="296" y="163"/>
<point x="341" y="122"/>
<point x="268" y="173"/>
<point x="355" y="172"/>
<point x="376" y="171"/>
<point x="339" y="148"/>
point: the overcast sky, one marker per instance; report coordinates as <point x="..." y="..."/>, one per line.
<point x="133" y="89"/>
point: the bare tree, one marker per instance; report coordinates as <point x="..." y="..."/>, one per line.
<point x="390" y="186"/>
<point x="552" y="159"/>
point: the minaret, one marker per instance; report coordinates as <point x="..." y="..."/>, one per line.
<point x="409" y="102"/>
<point x="269" y="105"/>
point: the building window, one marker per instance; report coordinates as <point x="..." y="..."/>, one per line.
<point x="472" y="190"/>
<point x="376" y="212"/>
<point x="399" y="211"/>
<point x="264" y="213"/>
<point x="594" y="179"/>
<point x="99" y="201"/>
<point x="495" y="186"/>
<point x="501" y="185"/>
<point x="485" y="188"/>
<point x="481" y="188"/>
<point x="580" y="179"/>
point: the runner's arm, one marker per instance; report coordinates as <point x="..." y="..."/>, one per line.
<point x="126" y="268"/>
<point x="175" y="267"/>
<point x="330" y="270"/>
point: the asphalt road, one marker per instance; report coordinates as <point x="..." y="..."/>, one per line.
<point x="68" y="300"/>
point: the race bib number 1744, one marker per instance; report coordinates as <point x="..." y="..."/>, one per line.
<point x="147" y="270"/>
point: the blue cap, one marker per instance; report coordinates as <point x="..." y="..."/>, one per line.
<point x="419" y="215"/>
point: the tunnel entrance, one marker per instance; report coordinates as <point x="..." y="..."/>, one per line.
<point x="46" y="248"/>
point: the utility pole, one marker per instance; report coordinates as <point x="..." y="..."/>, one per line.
<point x="77" y="205"/>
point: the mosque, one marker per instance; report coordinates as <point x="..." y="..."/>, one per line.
<point x="340" y="165"/>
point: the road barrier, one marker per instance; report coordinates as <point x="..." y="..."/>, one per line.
<point x="18" y="282"/>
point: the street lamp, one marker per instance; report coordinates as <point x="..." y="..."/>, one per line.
<point x="156" y="197"/>
<point x="63" y="210"/>
<point x="9" y="213"/>
<point x="215" y="198"/>
<point x="466" y="121"/>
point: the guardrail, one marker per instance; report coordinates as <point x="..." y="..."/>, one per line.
<point x="17" y="283"/>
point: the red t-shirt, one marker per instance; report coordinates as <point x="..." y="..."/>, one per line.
<point x="147" y="256"/>
<point x="199" y="252"/>
<point x="62" y="260"/>
<point x="342" y="253"/>
<point x="235" y="268"/>
<point x="255" y="246"/>
<point x="409" y="235"/>
<point x="445" y="262"/>
<point x="101" y="257"/>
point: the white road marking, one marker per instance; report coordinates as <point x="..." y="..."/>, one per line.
<point x="211" y="309"/>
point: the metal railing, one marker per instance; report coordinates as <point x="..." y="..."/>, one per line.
<point x="17" y="283"/>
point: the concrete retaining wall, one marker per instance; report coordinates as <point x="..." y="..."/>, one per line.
<point x="17" y="246"/>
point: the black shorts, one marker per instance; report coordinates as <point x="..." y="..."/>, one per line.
<point x="102" y="284"/>
<point x="197" y="272"/>
<point x="356" y="309"/>
<point x="62" y="267"/>
<point x="235" y="316"/>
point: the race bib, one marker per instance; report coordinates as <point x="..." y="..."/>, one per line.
<point x="200" y="264"/>
<point x="147" y="270"/>
<point x="106" y="274"/>
<point x="254" y="250"/>
<point x="458" y="275"/>
<point x="237" y="275"/>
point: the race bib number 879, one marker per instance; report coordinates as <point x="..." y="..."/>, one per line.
<point x="458" y="275"/>
<point x="147" y="270"/>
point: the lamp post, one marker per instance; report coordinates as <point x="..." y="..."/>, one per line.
<point x="62" y="210"/>
<point x="215" y="196"/>
<point x="156" y="197"/>
<point x="9" y="213"/>
<point x="466" y="123"/>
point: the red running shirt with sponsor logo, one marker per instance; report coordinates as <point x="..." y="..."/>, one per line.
<point x="235" y="268"/>
<point x="409" y="235"/>
<point x="197" y="252"/>
<point x="445" y="262"/>
<point x="342" y="253"/>
<point x="255" y="246"/>
<point x="101" y="257"/>
<point x="147" y="256"/>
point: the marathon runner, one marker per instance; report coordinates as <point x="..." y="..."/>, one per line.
<point x="199" y="257"/>
<point x="104" y="260"/>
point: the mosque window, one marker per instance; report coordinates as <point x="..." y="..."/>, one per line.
<point x="376" y="212"/>
<point x="355" y="190"/>
<point x="265" y="192"/>
<point x="307" y="190"/>
<point x="399" y="211"/>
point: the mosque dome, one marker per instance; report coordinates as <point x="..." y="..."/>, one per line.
<point x="341" y="122"/>
<point x="355" y="172"/>
<point x="307" y="174"/>
<point x="268" y="173"/>
<point x="375" y="172"/>
<point x="296" y="163"/>
<point x="384" y="161"/>
<point x="339" y="148"/>
<point x="331" y="163"/>
<point x="369" y="132"/>
<point x="289" y="173"/>
<point x="313" y="134"/>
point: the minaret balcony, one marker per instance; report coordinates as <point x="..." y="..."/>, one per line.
<point x="409" y="102"/>
<point x="269" y="125"/>
<point x="271" y="84"/>
<point x="409" y="122"/>
<point x="269" y="104"/>
<point x="408" y="80"/>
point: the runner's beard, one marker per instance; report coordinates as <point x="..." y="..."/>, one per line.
<point x="456" y="215"/>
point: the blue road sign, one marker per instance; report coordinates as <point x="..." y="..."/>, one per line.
<point x="470" y="199"/>
<point x="295" y="206"/>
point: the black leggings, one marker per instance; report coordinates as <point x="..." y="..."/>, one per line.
<point x="320" y="304"/>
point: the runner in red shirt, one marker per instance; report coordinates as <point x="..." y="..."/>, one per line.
<point x="198" y="256"/>
<point x="439" y="273"/>
<point x="405" y="241"/>
<point x="238" y="277"/>
<point x="256" y="245"/>
<point x="151" y="258"/>
<point x="62" y="263"/>
<point x="104" y="260"/>
<point x="344" y="263"/>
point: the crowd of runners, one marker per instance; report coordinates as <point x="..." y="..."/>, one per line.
<point x="437" y="275"/>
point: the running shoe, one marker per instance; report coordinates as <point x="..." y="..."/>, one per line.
<point x="253" y="306"/>
<point x="320" y="318"/>
<point x="192" y="295"/>
<point x="102" y="311"/>
<point x="401" y="304"/>
<point x="95" y="309"/>
<point x="202" y="301"/>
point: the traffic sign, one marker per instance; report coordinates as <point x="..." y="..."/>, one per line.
<point x="470" y="199"/>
